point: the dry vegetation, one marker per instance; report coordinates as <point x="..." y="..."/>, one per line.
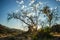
<point x="43" y="34"/>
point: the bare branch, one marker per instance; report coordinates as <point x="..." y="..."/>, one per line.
<point x="31" y="19"/>
<point x="24" y="21"/>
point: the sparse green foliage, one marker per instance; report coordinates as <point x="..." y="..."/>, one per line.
<point x="46" y="10"/>
<point x="47" y="29"/>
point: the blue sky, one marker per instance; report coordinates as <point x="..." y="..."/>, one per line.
<point x="10" y="5"/>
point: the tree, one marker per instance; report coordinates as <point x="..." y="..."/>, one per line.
<point x="51" y="14"/>
<point x="30" y="14"/>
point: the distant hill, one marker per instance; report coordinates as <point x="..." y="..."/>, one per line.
<point x="5" y="31"/>
<point x="56" y="28"/>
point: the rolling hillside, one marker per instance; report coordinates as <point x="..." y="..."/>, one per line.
<point x="5" y="31"/>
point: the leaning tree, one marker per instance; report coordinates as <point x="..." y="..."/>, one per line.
<point x="27" y="14"/>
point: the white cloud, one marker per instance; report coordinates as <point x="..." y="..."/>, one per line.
<point x="17" y="11"/>
<point x="37" y="5"/>
<point x="40" y="3"/>
<point x="32" y="1"/>
<point x="55" y="7"/>
<point x="21" y="2"/>
<point x="17" y="1"/>
<point x="30" y="14"/>
<point x="23" y="6"/>
<point x="51" y="8"/>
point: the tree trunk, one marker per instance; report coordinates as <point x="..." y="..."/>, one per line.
<point x="32" y="29"/>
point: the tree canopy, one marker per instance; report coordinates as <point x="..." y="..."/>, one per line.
<point x="31" y="14"/>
